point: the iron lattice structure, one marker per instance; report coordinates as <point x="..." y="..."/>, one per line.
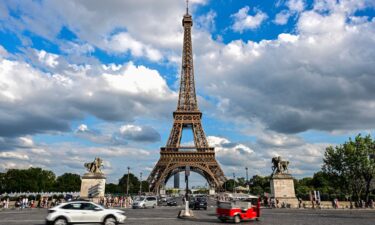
<point x="173" y="157"/>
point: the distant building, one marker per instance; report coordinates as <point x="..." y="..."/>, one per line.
<point x="176" y="183"/>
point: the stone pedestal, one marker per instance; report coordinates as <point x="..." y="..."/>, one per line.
<point x="282" y="189"/>
<point x="92" y="186"/>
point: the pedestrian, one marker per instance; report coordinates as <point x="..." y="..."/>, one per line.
<point x="299" y="202"/>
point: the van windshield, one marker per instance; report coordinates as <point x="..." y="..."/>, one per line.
<point x="139" y="198"/>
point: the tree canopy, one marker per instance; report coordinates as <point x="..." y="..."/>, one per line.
<point x="352" y="166"/>
<point x="38" y="180"/>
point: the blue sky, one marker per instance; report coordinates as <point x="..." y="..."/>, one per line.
<point x="100" y="78"/>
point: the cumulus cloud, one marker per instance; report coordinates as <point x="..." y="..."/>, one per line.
<point x="123" y="42"/>
<point x="282" y="17"/>
<point x="119" y="136"/>
<point x="305" y="158"/>
<point x="296" y="5"/>
<point x="104" y="25"/>
<point x="26" y="95"/>
<point x="207" y="21"/>
<point x="243" y="21"/>
<point x="138" y="133"/>
<point x="320" y="78"/>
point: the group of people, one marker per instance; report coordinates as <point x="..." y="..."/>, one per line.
<point x="25" y="202"/>
<point x="117" y="201"/>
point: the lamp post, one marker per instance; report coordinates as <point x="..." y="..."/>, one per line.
<point x="234" y="182"/>
<point x="247" y="180"/>
<point x="127" y="182"/>
<point x="140" y="186"/>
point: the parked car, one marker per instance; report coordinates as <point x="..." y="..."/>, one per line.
<point x="172" y="202"/>
<point x="145" y="202"/>
<point x="198" y="203"/>
<point x="83" y="212"/>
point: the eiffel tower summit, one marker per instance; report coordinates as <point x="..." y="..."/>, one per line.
<point x="174" y="157"/>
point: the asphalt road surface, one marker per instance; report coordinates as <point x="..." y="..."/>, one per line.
<point x="168" y="216"/>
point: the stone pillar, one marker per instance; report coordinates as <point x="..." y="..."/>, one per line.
<point x="282" y="189"/>
<point x="93" y="186"/>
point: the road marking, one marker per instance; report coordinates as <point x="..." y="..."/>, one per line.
<point x="17" y="221"/>
<point x="152" y="218"/>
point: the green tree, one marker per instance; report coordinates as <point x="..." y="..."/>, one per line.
<point x="68" y="182"/>
<point x="112" y="188"/>
<point x="230" y="184"/>
<point x="2" y="182"/>
<point x="353" y="165"/>
<point x="133" y="183"/>
<point x="259" y="185"/>
<point x="32" y="179"/>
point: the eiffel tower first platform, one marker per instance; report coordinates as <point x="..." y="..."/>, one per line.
<point x="173" y="157"/>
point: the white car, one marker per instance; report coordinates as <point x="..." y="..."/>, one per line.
<point x="83" y="212"/>
<point x="144" y="202"/>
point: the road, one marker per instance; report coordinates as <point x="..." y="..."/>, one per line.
<point x="168" y="216"/>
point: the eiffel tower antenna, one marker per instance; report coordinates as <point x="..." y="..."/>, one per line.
<point x="175" y="157"/>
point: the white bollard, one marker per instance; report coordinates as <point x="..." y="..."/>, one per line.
<point x="187" y="211"/>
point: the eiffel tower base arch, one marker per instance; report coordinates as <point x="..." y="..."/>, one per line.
<point x="203" y="163"/>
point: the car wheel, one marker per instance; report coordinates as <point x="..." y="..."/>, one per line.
<point x="223" y="220"/>
<point x="237" y="219"/>
<point x="60" y="221"/>
<point x="110" y="221"/>
<point x="205" y="208"/>
<point x="154" y="206"/>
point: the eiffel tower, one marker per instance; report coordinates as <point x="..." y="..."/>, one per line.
<point x="173" y="157"/>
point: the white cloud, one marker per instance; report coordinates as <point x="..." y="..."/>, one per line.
<point x="136" y="80"/>
<point x="123" y="42"/>
<point x="296" y="5"/>
<point x="282" y="17"/>
<point x="319" y="78"/>
<point x="118" y="27"/>
<point x="243" y="21"/>
<point x="82" y="128"/>
<point x="207" y="21"/>
<point x="13" y="155"/>
<point x="119" y="94"/>
<point x="48" y="59"/>
<point x="26" y="141"/>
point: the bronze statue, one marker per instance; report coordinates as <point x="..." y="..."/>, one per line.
<point x="279" y="166"/>
<point x="94" y="167"/>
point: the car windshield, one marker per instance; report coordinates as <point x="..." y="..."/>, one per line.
<point x="140" y="198"/>
<point x="201" y="200"/>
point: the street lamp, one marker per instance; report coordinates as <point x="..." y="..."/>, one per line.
<point x="234" y="182"/>
<point x="140" y="186"/>
<point x="127" y="182"/>
<point x="247" y="180"/>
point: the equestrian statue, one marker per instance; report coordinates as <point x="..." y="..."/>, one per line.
<point x="94" y="167"/>
<point x="279" y="166"/>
